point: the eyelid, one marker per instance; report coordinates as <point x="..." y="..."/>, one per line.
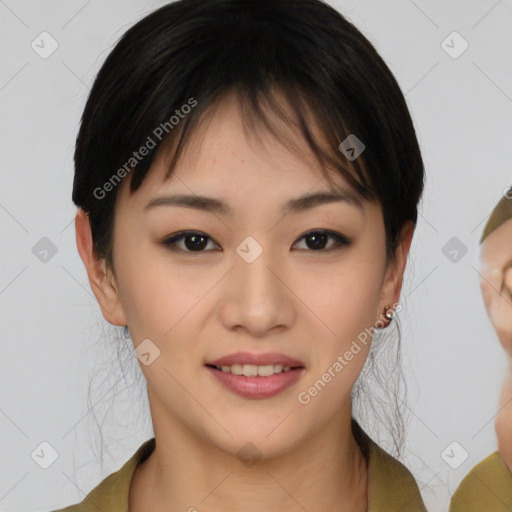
<point x="171" y="241"/>
<point x="341" y="240"/>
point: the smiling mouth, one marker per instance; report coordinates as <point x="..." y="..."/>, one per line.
<point x="252" y="370"/>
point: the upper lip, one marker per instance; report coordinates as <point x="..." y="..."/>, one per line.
<point x="257" y="359"/>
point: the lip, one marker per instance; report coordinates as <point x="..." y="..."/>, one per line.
<point x="257" y="359"/>
<point x="257" y="387"/>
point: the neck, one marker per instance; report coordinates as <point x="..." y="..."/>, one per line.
<point x="328" y="472"/>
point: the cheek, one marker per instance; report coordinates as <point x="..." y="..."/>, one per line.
<point x="157" y="296"/>
<point x="345" y="297"/>
<point x="341" y="310"/>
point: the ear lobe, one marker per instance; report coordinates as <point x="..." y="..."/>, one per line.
<point x="392" y="284"/>
<point x="100" y="278"/>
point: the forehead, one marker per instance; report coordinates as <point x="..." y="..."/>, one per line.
<point x="224" y="154"/>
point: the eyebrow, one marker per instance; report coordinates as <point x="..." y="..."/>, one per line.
<point x="295" y="205"/>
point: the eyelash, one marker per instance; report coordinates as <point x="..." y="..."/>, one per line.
<point x="341" y="241"/>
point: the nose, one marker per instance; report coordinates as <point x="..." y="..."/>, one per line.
<point x="258" y="297"/>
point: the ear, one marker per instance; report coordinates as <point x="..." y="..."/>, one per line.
<point x="392" y="282"/>
<point x="102" y="285"/>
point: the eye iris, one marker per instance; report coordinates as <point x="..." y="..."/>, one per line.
<point x="319" y="240"/>
<point x="195" y="246"/>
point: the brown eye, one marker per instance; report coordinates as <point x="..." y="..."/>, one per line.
<point x="318" y="240"/>
<point x="193" y="241"/>
<point x="197" y="242"/>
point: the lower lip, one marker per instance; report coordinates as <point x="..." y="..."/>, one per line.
<point x="257" y="387"/>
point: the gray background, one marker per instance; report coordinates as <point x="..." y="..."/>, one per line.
<point x="52" y="331"/>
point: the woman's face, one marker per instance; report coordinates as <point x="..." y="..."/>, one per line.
<point x="255" y="284"/>
<point x="496" y="281"/>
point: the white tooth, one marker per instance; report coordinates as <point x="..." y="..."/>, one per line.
<point x="265" y="371"/>
<point x="250" y="370"/>
<point x="237" y="369"/>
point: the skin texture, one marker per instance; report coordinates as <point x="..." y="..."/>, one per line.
<point x="198" y="307"/>
<point x="496" y="286"/>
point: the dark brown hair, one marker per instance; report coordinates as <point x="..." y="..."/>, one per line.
<point x="192" y="49"/>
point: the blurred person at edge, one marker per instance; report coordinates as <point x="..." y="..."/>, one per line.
<point x="488" y="486"/>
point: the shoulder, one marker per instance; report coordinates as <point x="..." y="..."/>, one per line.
<point x="112" y="492"/>
<point x="488" y="486"/>
<point x="391" y="486"/>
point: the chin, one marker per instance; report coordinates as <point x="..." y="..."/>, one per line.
<point x="264" y="441"/>
<point x="250" y="450"/>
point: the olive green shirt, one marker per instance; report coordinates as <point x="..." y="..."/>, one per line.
<point x="391" y="487"/>
<point x="487" y="487"/>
